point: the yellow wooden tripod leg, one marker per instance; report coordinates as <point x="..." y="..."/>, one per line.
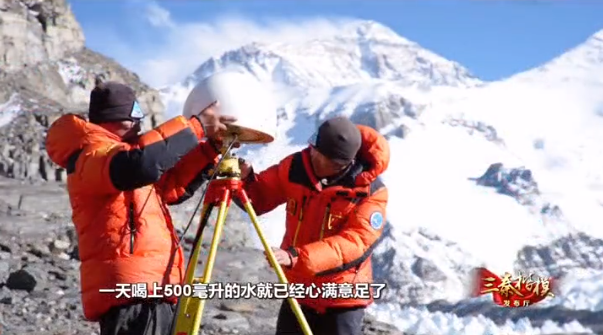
<point x="279" y="271"/>
<point x="213" y="248"/>
<point x="190" y="308"/>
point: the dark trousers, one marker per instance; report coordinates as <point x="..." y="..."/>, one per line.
<point x="151" y="317"/>
<point x="344" y="321"/>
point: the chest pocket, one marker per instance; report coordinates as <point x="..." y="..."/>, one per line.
<point x="295" y="214"/>
<point x="336" y="215"/>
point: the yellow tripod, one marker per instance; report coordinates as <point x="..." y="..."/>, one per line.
<point x="220" y="192"/>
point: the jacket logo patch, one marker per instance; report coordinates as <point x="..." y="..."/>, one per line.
<point x="376" y="220"/>
<point x="291" y="206"/>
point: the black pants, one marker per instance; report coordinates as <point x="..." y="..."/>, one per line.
<point x="345" y="321"/>
<point x="151" y="317"/>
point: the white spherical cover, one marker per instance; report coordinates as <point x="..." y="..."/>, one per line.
<point x="240" y="95"/>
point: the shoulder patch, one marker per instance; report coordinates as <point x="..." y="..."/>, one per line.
<point x="376" y="220"/>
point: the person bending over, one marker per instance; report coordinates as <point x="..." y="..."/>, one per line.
<point x="335" y="205"/>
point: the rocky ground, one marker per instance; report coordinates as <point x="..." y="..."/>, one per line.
<point x="39" y="271"/>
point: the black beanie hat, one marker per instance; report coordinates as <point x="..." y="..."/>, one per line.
<point x="112" y="101"/>
<point x="338" y="139"/>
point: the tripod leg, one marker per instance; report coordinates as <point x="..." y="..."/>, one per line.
<point x="186" y="311"/>
<point x="211" y="258"/>
<point x="279" y="271"/>
<point x="194" y="258"/>
<point x="213" y="248"/>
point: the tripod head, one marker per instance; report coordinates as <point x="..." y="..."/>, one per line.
<point x="228" y="166"/>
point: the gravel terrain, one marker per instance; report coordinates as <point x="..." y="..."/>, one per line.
<point x="39" y="271"/>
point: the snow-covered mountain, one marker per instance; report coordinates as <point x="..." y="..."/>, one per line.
<point x="506" y="174"/>
<point x="362" y="52"/>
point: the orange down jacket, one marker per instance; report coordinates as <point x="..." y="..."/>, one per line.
<point x="119" y="196"/>
<point x="330" y="231"/>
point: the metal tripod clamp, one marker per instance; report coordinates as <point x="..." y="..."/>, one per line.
<point x="220" y="193"/>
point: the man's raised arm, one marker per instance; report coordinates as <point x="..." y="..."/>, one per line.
<point x="112" y="167"/>
<point x="265" y="189"/>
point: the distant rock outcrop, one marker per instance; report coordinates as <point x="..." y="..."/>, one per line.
<point x="568" y="253"/>
<point x="46" y="70"/>
<point x="520" y="184"/>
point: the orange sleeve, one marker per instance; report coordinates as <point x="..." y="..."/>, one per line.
<point x="266" y="189"/>
<point x="352" y="245"/>
<point x="115" y="166"/>
<point x="92" y="169"/>
<point x="183" y="180"/>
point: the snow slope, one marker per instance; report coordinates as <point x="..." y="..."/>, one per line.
<point x="558" y="105"/>
<point x="445" y="127"/>
<point x="421" y="322"/>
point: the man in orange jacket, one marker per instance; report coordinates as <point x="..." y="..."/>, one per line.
<point x="335" y="204"/>
<point x="120" y="185"/>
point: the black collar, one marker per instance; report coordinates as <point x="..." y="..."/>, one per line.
<point x="345" y="178"/>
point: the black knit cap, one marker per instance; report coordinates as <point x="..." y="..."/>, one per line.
<point x="338" y="139"/>
<point x="111" y="101"/>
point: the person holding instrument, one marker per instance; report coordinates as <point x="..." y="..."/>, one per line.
<point x="335" y="204"/>
<point x="120" y="185"/>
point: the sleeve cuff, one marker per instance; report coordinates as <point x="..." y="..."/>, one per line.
<point x="293" y="255"/>
<point x="198" y="127"/>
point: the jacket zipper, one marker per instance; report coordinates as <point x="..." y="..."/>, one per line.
<point x="299" y="220"/>
<point x="132" y="227"/>
<point x="325" y="218"/>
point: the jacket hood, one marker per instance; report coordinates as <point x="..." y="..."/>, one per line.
<point x="71" y="133"/>
<point x="374" y="153"/>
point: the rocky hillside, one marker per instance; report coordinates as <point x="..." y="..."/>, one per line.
<point x="46" y="70"/>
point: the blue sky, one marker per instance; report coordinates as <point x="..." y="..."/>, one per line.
<point x="165" y="40"/>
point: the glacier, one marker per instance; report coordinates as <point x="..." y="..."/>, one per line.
<point x="446" y="127"/>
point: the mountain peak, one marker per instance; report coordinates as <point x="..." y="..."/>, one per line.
<point x="370" y="30"/>
<point x="597" y="37"/>
<point x="581" y="64"/>
<point x="361" y="51"/>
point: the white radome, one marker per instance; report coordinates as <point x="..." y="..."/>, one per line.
<point x="240" y="95"/>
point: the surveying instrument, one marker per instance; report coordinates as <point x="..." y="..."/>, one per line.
<point x="239" y="95"/>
